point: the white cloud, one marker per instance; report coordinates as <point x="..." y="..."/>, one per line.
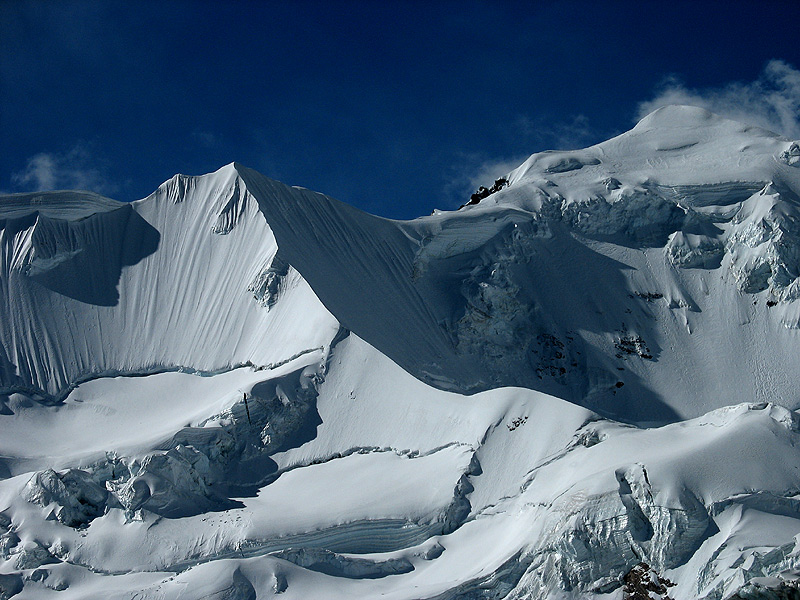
<point x="71" y="170"/>
<point x="771" y="102"/>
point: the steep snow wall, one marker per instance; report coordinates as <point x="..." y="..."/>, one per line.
<point x="607" y="276"/>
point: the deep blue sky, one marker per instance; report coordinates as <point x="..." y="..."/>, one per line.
<point x="395" y="107"/>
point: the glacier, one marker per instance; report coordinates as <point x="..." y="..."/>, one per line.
<point x="582" y="385"/>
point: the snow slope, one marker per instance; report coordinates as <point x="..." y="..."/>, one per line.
<point x="239" y="389"/>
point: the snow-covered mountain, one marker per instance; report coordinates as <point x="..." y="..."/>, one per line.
<point x="582" y="386"/>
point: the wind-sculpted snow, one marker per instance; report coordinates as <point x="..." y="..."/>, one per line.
<point x="581" y="385"/>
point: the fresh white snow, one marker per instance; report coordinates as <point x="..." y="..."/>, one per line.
<point x="238" y="389"/>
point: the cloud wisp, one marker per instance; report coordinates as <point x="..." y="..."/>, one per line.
<point x="772" y="101"/>
<point x="477" y="169"/>
<point x="472" y="171"/>
<point x="71" y="170"/>
<point x="570" y="134"/>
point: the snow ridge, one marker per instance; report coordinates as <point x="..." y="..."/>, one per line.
<point x="581" y="385"/>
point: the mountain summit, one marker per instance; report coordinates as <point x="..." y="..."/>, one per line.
<point x="583" y="383"/>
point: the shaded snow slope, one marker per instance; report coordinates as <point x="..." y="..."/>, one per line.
<point x="579" y="387"/>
